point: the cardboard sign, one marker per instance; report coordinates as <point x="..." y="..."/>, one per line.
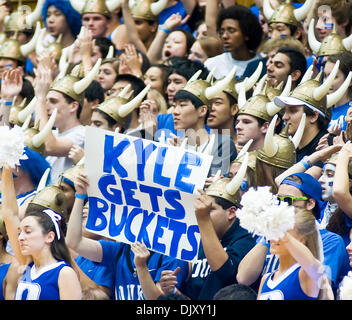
<point x="142" y="190"/>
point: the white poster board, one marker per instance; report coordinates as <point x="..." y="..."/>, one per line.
<point x="142" y="190"/>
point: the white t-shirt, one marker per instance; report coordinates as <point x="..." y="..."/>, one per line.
<point x="60" y="164"/>
<point x="224" y="64"/>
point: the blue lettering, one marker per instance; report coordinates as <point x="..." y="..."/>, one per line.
<point x="186" y="254"/>
<point x="188" y="159"/>
<point x="159" y="232"/>
<point x="111" y="155"/>
<point x="95" y="213"/>
<point x="159" y="163"/>
<point x="128" y="187"/>
<point x="179" y="211"/>
<point x="142" y="156"/>
<point x="128" y="233"/>
<point x="143" y="233"/>
<point x="154" y="193"/>
<point x="115" y="230"/>
<point x="115" y="195"/>
<point x="179" y="228"/>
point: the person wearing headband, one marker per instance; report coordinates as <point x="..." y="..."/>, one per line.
<point x="50" y="275"/>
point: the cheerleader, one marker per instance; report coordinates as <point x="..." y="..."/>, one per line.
<point x="300" y="272"/>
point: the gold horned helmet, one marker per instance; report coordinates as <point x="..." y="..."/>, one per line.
<point x="15" y="110"/>
<point x="69" y="175"/>
<point x="331" y="44"/>
<point x="23" y="19"/>
<point x="50" y="197"/>
<point x="279" y="150"/>
<point x="147" y="9"/>
<point x="286" y="13"/>
<point x="104" y="7"/>
<point x="260" y="105"/>
<point x="314" y="94"/>
<point x="229" y="189"/>
<point x="203" y="89"/>
<point x="13" y="49"/>
<point x="252" y="156"/>
<point x="72" y="85"/>
<point x="234" y="86"/>
<point x="35" y="138"/>
<point x="54" y="48"/>
<point x="118" y="108"/>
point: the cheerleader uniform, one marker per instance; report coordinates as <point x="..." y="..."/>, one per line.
<point x="285" y="287"/>
<point x="42" y="284"/>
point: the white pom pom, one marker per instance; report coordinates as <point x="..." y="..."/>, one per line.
<point x="11" y="146"/>
<point x="263" y="215"/>
<point x="346" y="287"/>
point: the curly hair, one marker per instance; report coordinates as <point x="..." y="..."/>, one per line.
<point x="248" y="23"/>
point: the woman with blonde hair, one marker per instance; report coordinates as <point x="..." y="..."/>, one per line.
<point x="300" y="272"/>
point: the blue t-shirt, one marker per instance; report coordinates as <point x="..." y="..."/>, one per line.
<point x="338" y="115"/>
<point x="176" y="8"/>
<point x="101" y="275"/>
<point x="127" y="286"/>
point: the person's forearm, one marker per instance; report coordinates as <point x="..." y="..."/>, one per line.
<point x="149" y="288"/>
<point x="132" y="33"/>
<point x="211" y="13"/>
<point x="74" y="227"/>
<point x="340" y="187"/>
<point x="9" y="212"/>
<point x="251" y="266"/>
<point x="301" y="253"/>
<point x="156" y="47"/>
<point x="213" y="249"/>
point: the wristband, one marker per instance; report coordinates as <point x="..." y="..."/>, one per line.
<point x="174" y="290"/>
<point x="81" y="196"/>
<point x="167" y="31"/>
<point x="305" y="162"/>
<point x="6" y="103"/>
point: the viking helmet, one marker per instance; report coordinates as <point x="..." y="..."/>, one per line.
<point x="74" y="87"/>
<point x="234" y="86"/>
<point x="227" y="188"/>
<point x="331" y="44"/>
<point x="279" y="150"/>
<point x="51" y="197"/>
<point x="313" y="94"/>
<point x="20" y="21"/>
<point x="54" y="48"/>
<point x="286" y="12"/>
<point x="203" y="89"/>
<point x="35" y="138"/>
<point x="118" y="108"/>
<point x="69" y="175"/>
<point x="147" y="9"/>
<point x="104" y="7"/>
<point x="260" y="105"/>
<point x="12" y="49"/>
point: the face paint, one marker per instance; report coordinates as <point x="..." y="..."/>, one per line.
<point x="326" y="181"/>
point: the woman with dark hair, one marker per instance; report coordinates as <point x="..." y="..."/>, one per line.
<point x="40" y="246"/>
<point x="241" y="34"/>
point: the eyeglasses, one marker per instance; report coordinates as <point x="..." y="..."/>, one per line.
<point x="291" y="199"/>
